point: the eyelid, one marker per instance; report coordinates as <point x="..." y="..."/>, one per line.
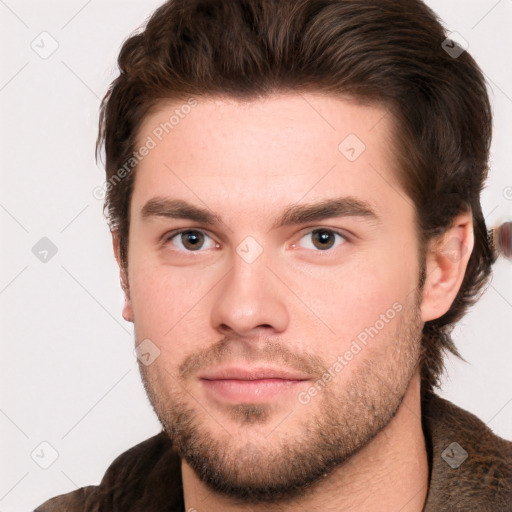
<point x="342" y="232"/>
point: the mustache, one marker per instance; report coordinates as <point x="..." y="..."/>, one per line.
<point x="245" y="351"/>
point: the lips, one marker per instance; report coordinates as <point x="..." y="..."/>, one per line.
<point x="253" y="373"/>
<point x="238" y="385"/>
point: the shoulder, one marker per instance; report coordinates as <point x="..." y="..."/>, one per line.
<point x="146" y="475"/>
<point x="72" y="501"/>
<point x="471" y="466"/>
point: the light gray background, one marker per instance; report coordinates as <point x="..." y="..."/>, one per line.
<point x="68" y="374"/>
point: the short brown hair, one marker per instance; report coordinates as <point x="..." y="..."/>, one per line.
<point x="385" y="52"/>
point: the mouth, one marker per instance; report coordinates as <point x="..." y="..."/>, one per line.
<point x="237" y="385"/>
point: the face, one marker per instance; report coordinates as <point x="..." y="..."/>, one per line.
<point x="273" y="275"/>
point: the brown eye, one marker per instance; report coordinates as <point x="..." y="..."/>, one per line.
<point x="323" y="239"/>
<point x="191" y="240"/>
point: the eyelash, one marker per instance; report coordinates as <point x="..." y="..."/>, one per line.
<point x="167" y="238"/>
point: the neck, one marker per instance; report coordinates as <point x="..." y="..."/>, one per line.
<point x="389" y="473"/>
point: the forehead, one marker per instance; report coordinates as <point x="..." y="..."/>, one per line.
<point x="289" y="118"/>
<point x="261" y="153"/>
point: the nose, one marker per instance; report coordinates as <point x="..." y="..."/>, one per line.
<point x="249" y="298"/>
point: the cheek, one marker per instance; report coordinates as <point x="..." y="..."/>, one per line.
<point x="172" y="316"/>
<point x="378" y="282"/>
<point x="164" y="301"/>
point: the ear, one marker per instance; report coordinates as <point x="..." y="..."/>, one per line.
<point x="127" y="308"/>
<point x="446" y="262"/>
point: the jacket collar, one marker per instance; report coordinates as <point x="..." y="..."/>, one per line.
<point x="470" y="468"/>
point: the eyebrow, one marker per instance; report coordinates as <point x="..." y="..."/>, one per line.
<point x="177" y="209"/>
<point x="292" y="215"/>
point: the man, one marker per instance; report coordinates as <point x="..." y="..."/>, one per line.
<point x="293" y="190"/>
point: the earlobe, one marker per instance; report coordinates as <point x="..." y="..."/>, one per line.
<point x="127" y="309"/>
<point x="123" y="278"/>
<point x="446" y="262"/>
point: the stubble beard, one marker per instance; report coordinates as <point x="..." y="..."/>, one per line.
<point x="335" y="425"/>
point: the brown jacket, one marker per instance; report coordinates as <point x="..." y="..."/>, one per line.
<point x="473" y="475"/>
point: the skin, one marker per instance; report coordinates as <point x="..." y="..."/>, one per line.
<point x="297" y="305"/>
